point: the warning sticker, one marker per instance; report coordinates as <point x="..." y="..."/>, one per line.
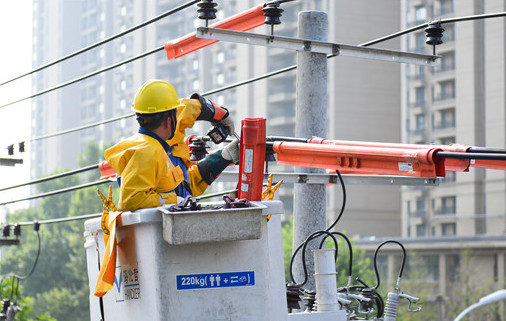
<point x="405" y="167"/>
<point x="215" y="280"/>
<point x="126" y="283"/>
<point x="248" y="160"/>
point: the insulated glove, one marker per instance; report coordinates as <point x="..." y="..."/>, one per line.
<point x="210" y="111"/>
<point x="231" y="151"/>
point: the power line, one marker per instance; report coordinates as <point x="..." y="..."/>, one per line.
<point x="48" y="178"/>
<point x="55" y="192"/>
<point x="71" y="130"/>
<point x="70" y="82"/>
<point x="97" y="44"/>
<point x="274" y="73"/>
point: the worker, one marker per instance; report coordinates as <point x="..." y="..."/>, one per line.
<point x="154" y="164"/>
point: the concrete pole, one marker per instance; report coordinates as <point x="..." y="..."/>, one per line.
<point x="310" y="120"/>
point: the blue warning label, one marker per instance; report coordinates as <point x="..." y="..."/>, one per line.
<point x="215" y="280"/>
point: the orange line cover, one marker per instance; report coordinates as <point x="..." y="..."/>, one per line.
<point x="362" y="159"/>
<point x="243" y="21"/>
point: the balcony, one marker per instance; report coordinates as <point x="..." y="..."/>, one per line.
<point x="445" y="210"/>
<point x="416" y="104"/>
<point x="444" y="124"/>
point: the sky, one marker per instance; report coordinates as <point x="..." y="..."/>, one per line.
<point x="15" y="59"/>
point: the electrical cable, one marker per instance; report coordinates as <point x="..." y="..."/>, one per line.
<point x="303" y="245"/>
<point x="16" y="277"/>
<point x="343" y="204"/>
<point x="106" y="40"/>
<point x="94" y="73"/>
<point x="56" y="192"/>
<point x="350" y="263"/>
<point x="375" y="258"/>
<point x="48" y="178"/>
<point x="289" y="68"/>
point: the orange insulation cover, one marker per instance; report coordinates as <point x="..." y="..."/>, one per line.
<point x="362" y="159"/>
<point x="243" y="21"/>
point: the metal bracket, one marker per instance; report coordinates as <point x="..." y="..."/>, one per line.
<point x="315" y="46"/>
<point x="316" y="178"/>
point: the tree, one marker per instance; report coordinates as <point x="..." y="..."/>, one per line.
<point x="58" y="287"/>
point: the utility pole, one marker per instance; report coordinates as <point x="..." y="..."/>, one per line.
<point x="310" y="120"/>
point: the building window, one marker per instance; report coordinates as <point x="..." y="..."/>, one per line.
<point x="195" y="85"/>
<point x="447" y="205"/>
<point x="447" y="62"/>
<point x="220" y="79"/>
<point x="420" y="96"/>
<point x="420" y="123"/>
<point x="446" y="6"/>
<point x="444" y="90"/>
<point x="220" y="57"/>
<point x="195" y="64"/>
<point x="420" y="207"/>
<point x="420" y="230"/>
<point x="448" y="229"/>
<point x="445" y="119"/>
<point x="420" y="13"/>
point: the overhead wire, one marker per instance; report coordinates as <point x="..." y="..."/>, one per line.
<point x="51" y="177"/>
<point x="59" y="191"/>
<point x="248" y="81"/>
<point x="104" y="41"/>
<point x="265" y="76"/>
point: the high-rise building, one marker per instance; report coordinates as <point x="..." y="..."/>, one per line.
<point x="363" y="96"/>
<point x="461" y="100"/>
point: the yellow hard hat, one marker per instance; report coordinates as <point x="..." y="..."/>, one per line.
<point x="155" y="96"/>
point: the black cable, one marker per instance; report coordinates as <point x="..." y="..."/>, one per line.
<point x="303" y="245"/>
<point x="75" y="129"/>
<point x="486" y="156"/>
<point x="16" y="277"/>
<point x="376" y="254"/>
<point x="94" y="73"/>
<point x="60" y="191"/>
<point x="343" y="205"/>
<point x="24" y="277"/>
<point x="48" y="178"/>
<point x="350" y="264"/>
<point x="106" y="40"/>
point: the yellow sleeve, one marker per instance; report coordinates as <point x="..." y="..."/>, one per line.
<point x="139" y="181"/>
<point x="186" y="117"/>
<point x="197" y="184"/>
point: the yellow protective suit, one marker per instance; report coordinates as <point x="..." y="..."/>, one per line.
<point x="145" y="169"/>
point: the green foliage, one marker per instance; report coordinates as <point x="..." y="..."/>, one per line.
<point x="58" y="288"/>
<point x="361" y="263"/>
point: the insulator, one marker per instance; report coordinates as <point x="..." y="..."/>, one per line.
<point x="17" y="230"/>
<point x="368" y="293"/>
<point x="293" y="293"/>
<point x="310" y="300"/>
<point x="434" y="33"/>
<point x="198" y="150"/>
<point x="6" y="231"/>
<point x="207" y="10"/>
<point x="21" y="147"/>
<point x="272" y="12"/>
<point x="10" y="150"/>
<point x="36" y="226"/>
<point x="391" y="306"/>
<point x="5" y="305"/>
<point x="269" y="154"/>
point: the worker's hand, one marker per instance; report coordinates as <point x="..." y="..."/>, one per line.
<point x="231" y="151"/>
<point x="214" y="113"/>
<point x="228" y="123"/>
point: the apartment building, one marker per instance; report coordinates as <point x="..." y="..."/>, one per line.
<point x="363" y="97"/>
<point x="461" y="100"/>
